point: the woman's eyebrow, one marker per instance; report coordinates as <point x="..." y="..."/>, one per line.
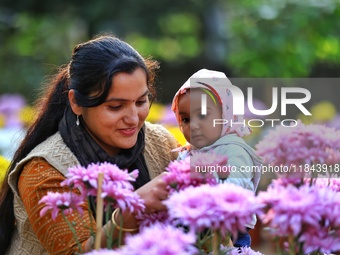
<point x="126" y="100"/>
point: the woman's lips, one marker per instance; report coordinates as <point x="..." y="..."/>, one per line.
<point x="128" y="131"/>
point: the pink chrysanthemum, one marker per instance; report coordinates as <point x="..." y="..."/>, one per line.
<point x="183" y="173"/>
<point x="320" y="239"/>
<point x="104" y="252"/>
<point x="303" y="144"/>
<point x="124" y="198"/>
<point x="65" y="202"/>
<point x="247" y="251"/>
<point x="225" y="207"/>
<point x="290" y="208"/>
<point x="147" y="220"/>
<point x="307" y="213"/>
<point x="82" y="178"/>
<point x="210" y="164"/>
<point x="86" y="178"/>
<point x="332" y="182"/>
<point x="207" y="159"/>
<point x="122" y="178"/>
<point x="236" y="251"/>
<point x="160" y="239"/>
<point x="179" y="176"/>
<point x="329" y="201"/>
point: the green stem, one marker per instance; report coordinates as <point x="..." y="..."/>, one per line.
<point x="120" y="234"/>
<point x="73" y="232"/>
<point x="291" y="245"/>
<point x="278" y="248"/>
<point x="92" y="232"/>
<point x="109" y="233"/>
<point x="202" y="238"/>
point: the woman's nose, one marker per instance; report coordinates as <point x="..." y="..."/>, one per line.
<point x="131" y="116"/>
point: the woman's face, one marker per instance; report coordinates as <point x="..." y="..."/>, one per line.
<point x="115" y="123"/>
<point x="199" y="129"/>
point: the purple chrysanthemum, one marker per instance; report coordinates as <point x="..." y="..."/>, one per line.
<point x="115" y="195"/>
<point x="10" y="107"/>
<point x="303" y="144"/>
<point x="247" y="251"/>
<point x="320" y="239"/>
<point x="236" y="251"/>
<point x="65" y="202"/>
<point x="329" y="201"/>
<point x="207" y="159"/>
<point x="210" y="164"/>
<point x="332" y="182"/>
<point x="183" y="173"/>
<point x="147" y="220"/>
<point x="179" y="176"/>
<point x="290" y="208"/>
<point x="83" y="178"/>
<point x="224" y="207"/>
<point x="160" y="239"/>
<point x="307" y="213"/>
<point x="86" y="178"/>
<point x="122" y="178"/>
<point x="105" y="252"/>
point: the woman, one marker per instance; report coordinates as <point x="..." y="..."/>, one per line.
<point x="94" y="111"/>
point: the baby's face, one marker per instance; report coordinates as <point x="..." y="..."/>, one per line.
<point x="199" y="129"/>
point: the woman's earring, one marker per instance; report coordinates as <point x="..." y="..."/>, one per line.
<point x="77" y="121"/>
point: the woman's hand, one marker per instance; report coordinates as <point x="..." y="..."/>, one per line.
<point x="153" y="193"/>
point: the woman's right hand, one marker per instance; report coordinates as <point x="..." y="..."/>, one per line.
<point x="153" y="193"/>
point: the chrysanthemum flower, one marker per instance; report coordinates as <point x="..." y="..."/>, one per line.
<point x="307" y="213"/>
<point x="86" y="178"/>
<point x="146" y="220"/>
<point x="320" y="239"/>
<point x="224" y="207"/>
<point x="66" y="202"/>
<point x="207" y="159"/>
<point x="122" y="197"/>
<point x="290" y="208"/>
<point x="122" y="178"/>
<point x="160" y="239"/>
<point x="332" y="182"/>
<point x="82" y="178"/>
<point x="237" y="251"/>
<point x="303" y="144"/>
<point x="104" y="252"/>
<point x="183" y="173"/>
<point x="247" y="251"/>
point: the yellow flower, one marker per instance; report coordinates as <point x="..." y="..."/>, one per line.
<point x="4" y="164"/>
<point x="176" y="132"/>
<point x="156" y="113"/>
<point x="323" y="111"/>
<point x="27" y="115"/>
<point x="2" y="120"/>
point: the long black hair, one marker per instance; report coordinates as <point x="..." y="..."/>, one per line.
<point x="90" y="72"/>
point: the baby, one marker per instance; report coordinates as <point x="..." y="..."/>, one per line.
<point x="204" y="98"/>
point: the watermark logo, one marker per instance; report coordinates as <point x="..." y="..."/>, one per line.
<point x="295" y="96"/>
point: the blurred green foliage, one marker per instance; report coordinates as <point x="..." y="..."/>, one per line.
<point x="243" y="38"/>
<point x="283" y="38"/>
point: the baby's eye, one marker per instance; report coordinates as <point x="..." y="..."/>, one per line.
<point x="185" y="120"/>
